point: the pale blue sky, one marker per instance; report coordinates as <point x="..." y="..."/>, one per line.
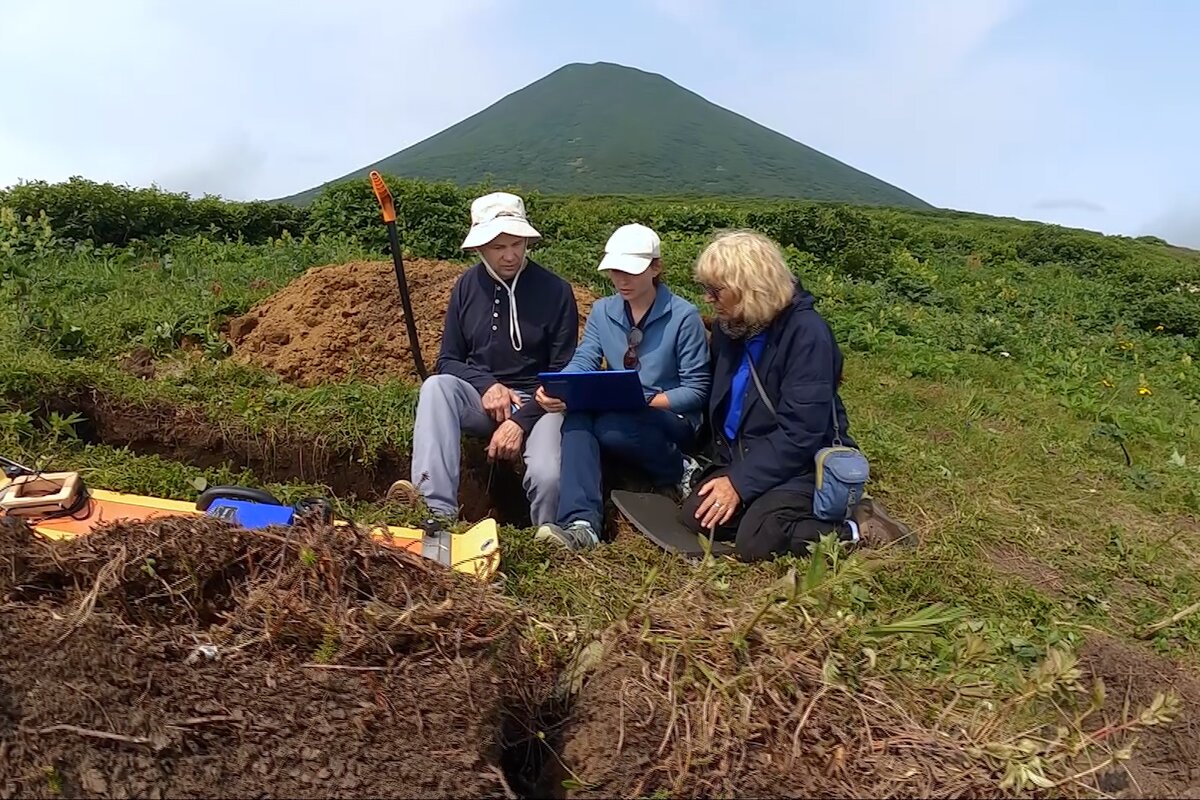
<point x="1083" y="112"/>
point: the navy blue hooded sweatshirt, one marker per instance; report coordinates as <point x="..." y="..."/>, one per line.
<point x="800" y="367"/>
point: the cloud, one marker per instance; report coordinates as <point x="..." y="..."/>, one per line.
<point x="683" y="10"/>
<point x="230" y="169"/>
<point x="931" y="40"/>
<point x="248" y="100"/>
<point x="1179" y="225"/>
<point x="916" y="94"/>
<point x="1070" y="204"/>
<point x="709" y="24"/>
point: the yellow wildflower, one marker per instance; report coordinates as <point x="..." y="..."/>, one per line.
<point x="1160" y="328"/>
<point x="1144" y="391"/>
<point x="1126" y="345"/>
<point x="1106" y="383"/>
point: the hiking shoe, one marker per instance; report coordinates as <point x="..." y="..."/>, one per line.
<point x="577" y="535"/>
<point x="876" y="528"/>
<point x="404" y="493"/>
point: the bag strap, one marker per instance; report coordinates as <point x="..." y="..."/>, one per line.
<point x="762" y="393"/>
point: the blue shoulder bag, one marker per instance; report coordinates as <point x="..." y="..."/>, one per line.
<point x="841" y="472"/>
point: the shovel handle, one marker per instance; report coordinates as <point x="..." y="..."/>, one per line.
<point x="389" y="217"/>
<point x="383" y="196"/>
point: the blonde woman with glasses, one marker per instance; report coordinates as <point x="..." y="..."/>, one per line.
<point x="758" y="492"/>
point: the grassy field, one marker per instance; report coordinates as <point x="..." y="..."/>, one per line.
<point x="1027" y="395"/>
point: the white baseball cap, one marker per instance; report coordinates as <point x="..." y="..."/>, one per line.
<point x="631" y="249"/>
<point x="497" y="213"/>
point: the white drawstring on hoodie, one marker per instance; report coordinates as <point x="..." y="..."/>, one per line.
<point x="514" y="327"/>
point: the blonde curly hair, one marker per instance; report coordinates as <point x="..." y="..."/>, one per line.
<point x="752" y="266"/>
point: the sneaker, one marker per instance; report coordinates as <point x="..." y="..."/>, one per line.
<point x="404" y="493"/>
<point x="577" y="535"/>
<point x="690" y="468"/>
<point x="876" y="528"/>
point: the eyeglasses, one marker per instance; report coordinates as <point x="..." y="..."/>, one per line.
<point x="712" y="291"/>
<point x="631" y="356"/>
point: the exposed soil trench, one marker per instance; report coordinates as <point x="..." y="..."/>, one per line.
<point x="187" y="436"/>
<point x="530" y="763"/>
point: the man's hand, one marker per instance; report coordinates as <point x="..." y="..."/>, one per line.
<point x="552" y="405"/>
<point x="506" y="442"/>
<point x="719" y="504"/>
<point x="660" y="401"/>
<point x="498" y="402"/>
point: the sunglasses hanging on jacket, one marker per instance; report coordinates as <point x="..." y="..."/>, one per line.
<point x="634" y="338"/>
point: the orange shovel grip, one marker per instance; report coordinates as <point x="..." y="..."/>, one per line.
<point x="383" y="196"/>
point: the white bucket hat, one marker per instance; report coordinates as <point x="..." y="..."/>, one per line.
<point x="494" y="214"/>
<point x="631" y="249"/>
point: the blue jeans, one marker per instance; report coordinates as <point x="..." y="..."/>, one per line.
<point x="652" y="439"/>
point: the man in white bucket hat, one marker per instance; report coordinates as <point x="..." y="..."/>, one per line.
<point x="509" y="318"/>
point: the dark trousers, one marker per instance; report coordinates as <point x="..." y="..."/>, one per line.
<point x="777" y="523"/>
<point x="652" y="440"/>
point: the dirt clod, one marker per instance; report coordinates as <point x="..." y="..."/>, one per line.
<point x="140" y="362"/>
<point x="1011" y="561"/>
<point x="346" y="322"/>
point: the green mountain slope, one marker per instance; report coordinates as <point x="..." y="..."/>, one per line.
<point x="608" y="129"/>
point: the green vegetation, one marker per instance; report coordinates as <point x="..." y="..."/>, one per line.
<point x="80" y="209"/>
<point x="608" y="129"/>
<point x="1028" y="396"/>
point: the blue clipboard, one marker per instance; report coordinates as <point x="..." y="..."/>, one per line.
<point x="602" y="390"/>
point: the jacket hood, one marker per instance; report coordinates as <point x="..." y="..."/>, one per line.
<point x="802" y="299"/>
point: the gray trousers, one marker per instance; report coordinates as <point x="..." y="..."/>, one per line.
<point x="447" y="408"/>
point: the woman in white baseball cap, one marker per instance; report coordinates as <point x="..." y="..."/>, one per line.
<point x="643" y="326"/>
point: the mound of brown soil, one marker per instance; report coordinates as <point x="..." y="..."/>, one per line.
<point x="346" y="322"/>
<point x="184" y="658"/>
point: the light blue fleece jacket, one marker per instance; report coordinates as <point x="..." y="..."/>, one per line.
<point x="673" y="353"/>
